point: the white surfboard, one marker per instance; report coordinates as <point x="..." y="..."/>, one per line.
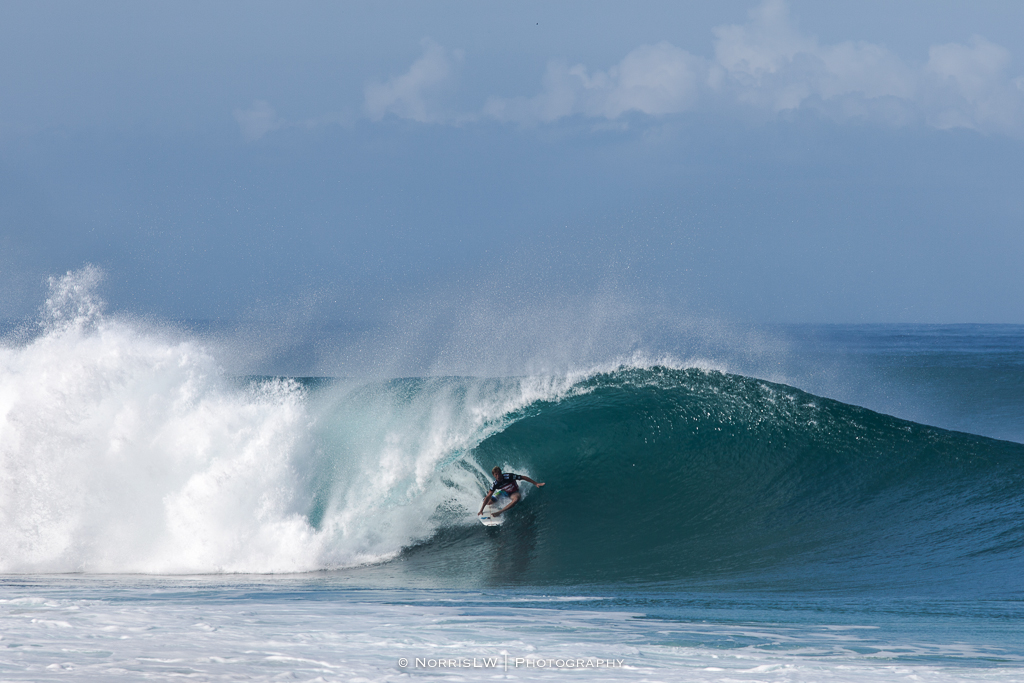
<point x="486" y="518"/>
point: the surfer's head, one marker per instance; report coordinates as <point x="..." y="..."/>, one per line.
<point x="496" y="471"/>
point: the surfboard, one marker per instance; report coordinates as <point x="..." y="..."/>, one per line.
<point x="501" y="501"/>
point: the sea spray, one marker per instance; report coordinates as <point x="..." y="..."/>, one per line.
<point x="124" y="448"/>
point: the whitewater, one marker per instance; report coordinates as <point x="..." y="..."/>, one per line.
<point x="161" y="517"/>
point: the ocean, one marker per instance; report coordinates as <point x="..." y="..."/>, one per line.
<point x="846" y="507"/>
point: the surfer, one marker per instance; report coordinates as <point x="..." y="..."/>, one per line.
<point x="507" y="483"/>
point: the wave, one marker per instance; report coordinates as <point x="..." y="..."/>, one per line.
<point x="667" y="474"/>
<point x="125" y="448"/>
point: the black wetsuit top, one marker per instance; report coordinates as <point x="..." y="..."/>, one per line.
<point x="507" y="483"/>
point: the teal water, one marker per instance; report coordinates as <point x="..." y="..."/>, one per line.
<point x="679" y="476"/>
<point x="963" y="377"/>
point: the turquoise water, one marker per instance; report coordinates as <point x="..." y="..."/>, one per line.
<point x="674" y="476"/>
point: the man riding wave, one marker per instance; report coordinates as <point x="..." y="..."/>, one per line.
<point x="507" y="483"/>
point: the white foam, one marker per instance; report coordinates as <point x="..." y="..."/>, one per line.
<point x="125" y="448"/>
<point x="211" y="631"/>
<point x="122" y="450"/>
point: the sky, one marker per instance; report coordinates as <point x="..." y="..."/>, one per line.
<point x="842" y="162"/>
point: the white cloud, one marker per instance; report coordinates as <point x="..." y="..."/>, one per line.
<point x="972" y="89"/>
<point x="766" y="64"/>
<point x="257" y="121"/>
<point x="766" y="45"/>
<point x="652" y="79"/>
<point x="417" y="93"/>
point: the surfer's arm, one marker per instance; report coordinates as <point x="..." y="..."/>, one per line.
<point x="535" y="483"/>
<point x="487" y="499"/>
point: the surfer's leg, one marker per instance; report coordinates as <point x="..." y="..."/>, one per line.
<point x="513" y="499"/>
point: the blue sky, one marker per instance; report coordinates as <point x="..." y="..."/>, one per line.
<point x="773" y="162"/>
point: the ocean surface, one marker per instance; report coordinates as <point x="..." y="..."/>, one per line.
<point x="846" y="507"/>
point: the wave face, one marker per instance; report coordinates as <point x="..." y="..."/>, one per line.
<point x="662" y="474"/>
<point x="125" y="448"/>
